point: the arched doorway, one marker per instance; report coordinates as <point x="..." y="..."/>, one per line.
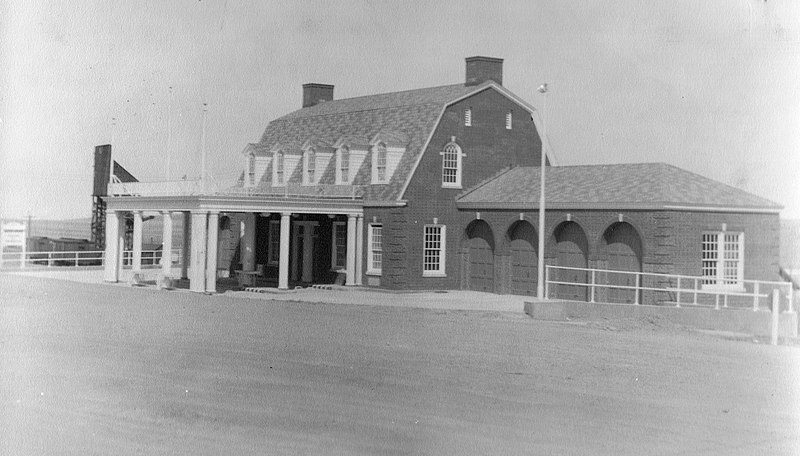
<point x="571" y="251"/>
<point x="524" y="261"/>
<point x="624" y="253"/>
<point x="480" y="246"/>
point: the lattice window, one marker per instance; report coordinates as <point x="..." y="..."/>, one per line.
<point x="311" y="166"/>
<point x="433" y="253"/>
<point x="344" y="165"/>
<point x="274" y="242"/>
<point x="339" y="246"/>
<point x="251" y="169"/>
<point x="451" y="165"/>
<point x="279" y="165"/>
<point x="380" y="162"/>
<point x="468" y="117"/>
<point x="508" y="120"/>
<point x="375" y="241"/>
<point x="722" y="259"/>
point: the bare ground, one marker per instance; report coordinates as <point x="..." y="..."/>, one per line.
<point x="96" y="369"/>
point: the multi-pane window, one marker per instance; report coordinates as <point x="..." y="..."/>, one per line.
<point x="339" y="247"/>
<point x="344" y="165"/>
<point x="279" y="168"/>
<point x="468" y="117"/>
<point x="451" y="166"/>
<point x="311" y="166"/>
<point x="274" y="242"/>
<point x="251" y="169"/>
<point x="375" y="241"/>
<point x="433" y="250"/>
<point x="722" y="255"/>
<point x="380" y="162"/>
<point x="508" y="120"/>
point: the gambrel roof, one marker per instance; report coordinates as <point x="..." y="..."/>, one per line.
<point x="645" y="186"/>
<point x="409" y="117"/>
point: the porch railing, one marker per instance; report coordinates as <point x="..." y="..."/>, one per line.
<point x="679" y="286"/>
<point x="15" y="260"/>
<point x="211" y="188"/>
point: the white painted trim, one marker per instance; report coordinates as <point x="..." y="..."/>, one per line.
<point x="441" y="272"/>
<point x="370" y="269"/>
<point x="491" y="84"/>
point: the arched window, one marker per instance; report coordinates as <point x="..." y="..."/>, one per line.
<point x="380" y="162"/>
<point x="344" y="165"/>
<point x="311" y="166"/>
<point x="451" y="166"/>
<point x="251" y="169"/>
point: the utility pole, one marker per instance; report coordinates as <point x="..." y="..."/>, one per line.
<point x="540" y="278"/>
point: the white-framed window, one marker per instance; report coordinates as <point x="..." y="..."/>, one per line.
<point x="339" y="246"/>
<point x="343" y="166"/>
<point x="375" y="241"/>
<point x="279" y="169"/>
<point x="722" y="259"/>
<point x="380" y="163"/>
<point x="310" y="167"/>
<point x="274" y="242"/>
<point x="468" y="117"/>
<point x="451" y="165"/>
<point x="433" y="251"/>
<point x="251" y="169"/>
<point x="509" y="115"/>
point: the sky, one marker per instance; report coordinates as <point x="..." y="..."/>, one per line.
<point x="711" y="86"/>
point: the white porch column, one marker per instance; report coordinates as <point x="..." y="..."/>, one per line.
<point x="211" y="252"/>
<point x="197" y="272"/>
<point x="359" y="249"/>
<point x="137" y="242"/>
<point x="248" y="247"/>
<point x="115" y="236"/>
<point x="283" y="262"/>
<point x="186" y="248"/>
<point x="166" y="244"/>
<point x="351" y="250"/>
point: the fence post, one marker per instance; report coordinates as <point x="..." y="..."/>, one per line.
<point x="716" y="301"/>
<point x="49" y="259"/>
<point x="725" y="300"/>
<point x="695" y="291"/>
<point x="755" y="296"/>
<point x="775" y="316"/>
<point x="76" y="259"/>
<point x="593" y="282"/>
<point x="638" y="284"/>
<point x="678" y="303"/>
<point x="547" y="282"/>
<point x="791" y="298"/>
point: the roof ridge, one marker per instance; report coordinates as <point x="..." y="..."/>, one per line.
<point x="767" y="200"/>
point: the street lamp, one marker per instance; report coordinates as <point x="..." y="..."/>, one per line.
<point x="540" y="278"/>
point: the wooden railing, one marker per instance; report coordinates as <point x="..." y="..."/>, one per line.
<point x="14" y="260"/>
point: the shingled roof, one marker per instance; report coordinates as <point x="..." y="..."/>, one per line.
<point x="621" y="186"/>
<point x="411" y="115"/>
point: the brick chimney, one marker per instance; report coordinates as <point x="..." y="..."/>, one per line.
<point x="314" y="94"/>
<point x="482" y="69"/>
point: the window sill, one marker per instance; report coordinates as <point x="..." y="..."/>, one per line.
<point x="433" y="274"/>
<point x="374" y="273"/>
<point x="454" y="186"/>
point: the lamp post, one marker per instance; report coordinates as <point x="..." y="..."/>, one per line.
<point x="540" y="277"/>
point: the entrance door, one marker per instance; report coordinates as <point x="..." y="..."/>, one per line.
<point x="524" y="266"/>
<point x="481" y="257"/>
<point x="624" y="254"/>
<point x="303" y="251"/>
<point x="571" y="251"/>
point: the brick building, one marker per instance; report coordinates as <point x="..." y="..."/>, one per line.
<point x="437" y="188"/>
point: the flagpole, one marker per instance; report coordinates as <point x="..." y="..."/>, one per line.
<point x="540" y="278"/>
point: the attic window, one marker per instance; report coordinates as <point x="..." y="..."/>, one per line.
<point x="251" y="169"/>
<point x="468" y="117"/>
<point x="508" y="120"/>
<point x="451" y="166"/>
<point x="380" y="162"/>
<point x="310" y="166"/>
<point x="344" y="166"/>
<point x="279" y="169"/>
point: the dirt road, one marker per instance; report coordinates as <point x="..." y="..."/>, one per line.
<point x="96" y="369"/>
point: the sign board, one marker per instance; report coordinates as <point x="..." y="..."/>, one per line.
<point x="13" y="236"/>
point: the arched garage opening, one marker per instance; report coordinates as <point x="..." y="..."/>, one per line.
<point x="524" y="260"/>
<point x="623" y="247"/>
<point x="480" y="255"/>
<point x="571" y="251"/>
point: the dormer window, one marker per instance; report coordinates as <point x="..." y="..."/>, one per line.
<point x="310" y="167"/>
<point x="508" y="120"/>
<point x="251" y="169"/>
<point x="451" y="165"/>
<point x="343" y="168"/>
<point x="468" y="117"/>
<point x="380" y="163"/>
<point x="279" y="169"/>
